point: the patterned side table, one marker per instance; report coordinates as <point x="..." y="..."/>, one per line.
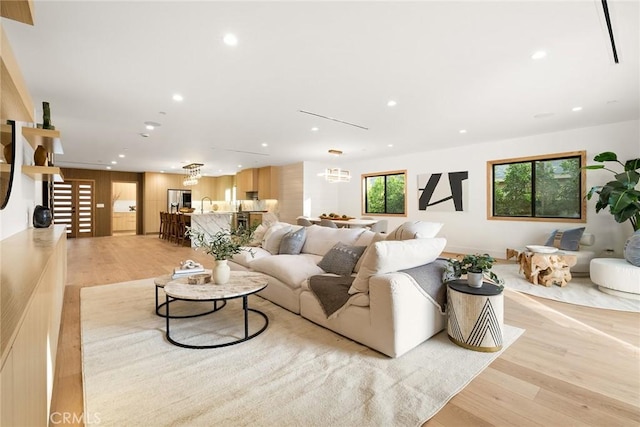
<point x="475" y="316"/>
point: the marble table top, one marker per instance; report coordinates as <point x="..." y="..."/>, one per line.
<point x="241" y="283"/>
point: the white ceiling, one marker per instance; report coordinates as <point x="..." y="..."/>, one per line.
<point x="107" y="67"/>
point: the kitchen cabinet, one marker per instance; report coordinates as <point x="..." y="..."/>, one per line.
<point x="124" y="221"/>
<point x="246" y="181"/>
<point x="255" y="219"/>
<point x="268" y="182"/>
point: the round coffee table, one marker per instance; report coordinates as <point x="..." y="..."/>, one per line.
<point x="160" y="283"/>
<point x="240" y="285"/>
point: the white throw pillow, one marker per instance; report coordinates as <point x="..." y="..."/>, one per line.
<point x="273" y="236"/>
<point x="258" y="235"/>
<point x="321" y="239"/>
<point x="415" y="230"/>
<point x="389" y="256"/>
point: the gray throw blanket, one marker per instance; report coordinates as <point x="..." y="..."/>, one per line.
<point x="333" y="292"/>
<point x="430" y="278"/>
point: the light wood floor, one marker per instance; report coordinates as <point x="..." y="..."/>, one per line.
<point x="573" y="366"/>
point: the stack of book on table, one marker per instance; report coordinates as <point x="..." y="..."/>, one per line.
<point x="187" y="268"/>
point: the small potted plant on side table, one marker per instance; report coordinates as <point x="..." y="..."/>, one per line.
<point x="477" y="267"/>
<point x="223" y="245"/>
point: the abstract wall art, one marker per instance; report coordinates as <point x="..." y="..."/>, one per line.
<point x="443" y="191"/>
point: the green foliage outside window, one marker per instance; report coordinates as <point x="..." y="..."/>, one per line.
<point x="385" y="193"/>
<point x="540" y="188"/>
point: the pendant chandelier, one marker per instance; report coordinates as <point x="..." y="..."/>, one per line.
<point x="192" y="174"/>
<point x="337" y="175"/>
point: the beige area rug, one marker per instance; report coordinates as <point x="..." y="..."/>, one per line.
<point x="294" y="374"/>
<point x="580" y="290"/>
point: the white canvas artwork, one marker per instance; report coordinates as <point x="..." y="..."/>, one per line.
<point x="447" y="191"/>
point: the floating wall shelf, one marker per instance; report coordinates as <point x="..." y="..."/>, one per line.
<point x="48" y="138"/>
<point x="43" y="172"/>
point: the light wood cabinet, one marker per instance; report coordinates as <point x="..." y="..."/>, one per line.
<point x="268" y="182"/>
<point x="34" y="269"/>
<point x="246" y="180"/>
<point x="124" y="221"/>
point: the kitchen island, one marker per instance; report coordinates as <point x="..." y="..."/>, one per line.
<point x="211" y="222"/>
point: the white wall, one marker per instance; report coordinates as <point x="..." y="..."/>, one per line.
<point x="471" y="231"/>
<point x="25" y="192"/>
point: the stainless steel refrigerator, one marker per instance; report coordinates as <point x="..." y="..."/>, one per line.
<point x="177" y="199"/>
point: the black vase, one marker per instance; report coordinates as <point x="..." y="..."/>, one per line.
<point x="41" y="217"/>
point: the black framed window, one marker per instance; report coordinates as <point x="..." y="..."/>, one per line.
<point x="385" y="193"/>
<point x="550" y="187"/>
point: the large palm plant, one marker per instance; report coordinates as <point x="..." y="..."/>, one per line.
<point x="620" y="195"/>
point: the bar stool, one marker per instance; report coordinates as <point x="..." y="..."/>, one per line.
<point x="182" y="228"/>
<point x="162" y="234"/>
<point x="173" y="228"/>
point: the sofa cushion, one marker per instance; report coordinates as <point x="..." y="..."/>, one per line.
<point x="292" y="242"/>
<point x="291" y="270"/>
<point x="321" y="239"/>
<point x="391" y="255"/>
<point x="245" y="258"/>
<point x="341" y="259"/>
<point x="273" y="236"/>
<point x="568" y="240"/>
<point x="377" y="237"/>
<point x="415" y="230"/>
<point x="258" y="235"/>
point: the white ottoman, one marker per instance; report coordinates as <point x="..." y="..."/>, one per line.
<point x="616" y="276"/>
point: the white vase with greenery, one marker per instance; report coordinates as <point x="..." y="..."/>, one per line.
<point x="222" y="245"/>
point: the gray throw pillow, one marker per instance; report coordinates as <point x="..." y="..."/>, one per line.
<point x="292" y="242"/>
<point x="567" y="240"/>
<point x="341" y="259"/>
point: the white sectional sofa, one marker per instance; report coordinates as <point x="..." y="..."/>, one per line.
<point x="386" y="310"/>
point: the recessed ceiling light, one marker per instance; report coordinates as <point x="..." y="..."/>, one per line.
<point x="543" y="115"/>
<point x="391" y="103"/>
<point x="144" y="135"/>
<point x="108" y="167"/>
<point x="462" y="131"/>
<point x="335" y="152"/>
<point x="230" y="39"/>
<point x="390" y="145"/>
<point x="264" y="144"/>
<point x="576" y="109"/>
<point x="121" y="156"/>
<point x="539" y="54"/>
<point x="161" y="171"/>
<point x="177" y="97"/>
<point x="113" y="162"/>
<point x="239" y="166"/>
<point x="315" y="129"/>
<point x="164" y="113"/>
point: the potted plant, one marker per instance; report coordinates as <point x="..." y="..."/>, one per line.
<point x="223" y="245"/>
<point x="476" y="266"/>
<point x="622" y="198"/>
<point x="619" y="194"/>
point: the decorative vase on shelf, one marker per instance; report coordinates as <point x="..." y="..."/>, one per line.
<point x="8" y="154"/>
<point x="221" y="272"/>
<point x="40" y="156"/>
<point x="474" y="279"/>
<point x="41" y="217"/>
